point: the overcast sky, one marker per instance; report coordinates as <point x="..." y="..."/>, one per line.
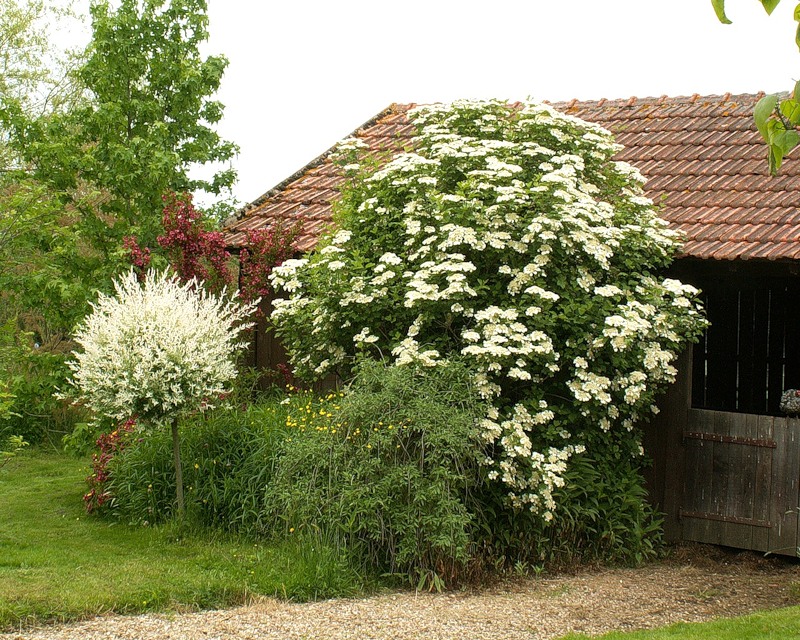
<point x="305" y="73"/>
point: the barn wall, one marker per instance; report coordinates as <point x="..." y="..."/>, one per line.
<point x="663" y="444"/>
<point x="267" y="353"/>
<point x="721" y="475"/>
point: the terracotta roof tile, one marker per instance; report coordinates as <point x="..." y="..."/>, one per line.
<point x="705" y="164"/>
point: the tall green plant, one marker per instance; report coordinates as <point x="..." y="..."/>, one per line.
<point x="35" y="74"/>
<point x="392" y="471"/>
<point x="148" y="119"/>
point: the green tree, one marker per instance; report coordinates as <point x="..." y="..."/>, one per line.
<point x="147" y="121"/>
<point x="40" y="296"/>
<point x="85" y="170"/>
<point x="43" y="261"/>
<point x="35" y="74"/>
<point x="44" y="286"/>
<point x="777" y="120"/>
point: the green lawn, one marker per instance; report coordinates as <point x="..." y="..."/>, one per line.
<point x="57" y="563"/>
<point x="782" y="624"/>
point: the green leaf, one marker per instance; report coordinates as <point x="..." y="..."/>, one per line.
<point x="788" y="140"/>
<point x="797" y="35"/>
<point x="762" y="112"/>
<point x="775" y="159"/>
<point x="719" y="9"/>
<point x="791" y="111"/>
<point x="781" y="141"/>
<point x="797" y="19"/>
<point x="769" y="5"/>
<point x="780" y="137"/>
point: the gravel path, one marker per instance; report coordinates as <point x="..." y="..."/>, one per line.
<point x="702" y="584"/>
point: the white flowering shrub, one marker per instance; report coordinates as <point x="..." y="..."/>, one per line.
<point x="157" y="348"/>
<point x="509" y="236"/>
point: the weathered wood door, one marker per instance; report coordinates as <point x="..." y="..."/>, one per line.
<point x="740" y="485"/>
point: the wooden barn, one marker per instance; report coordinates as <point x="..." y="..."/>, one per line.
<point x="726" y="462"/>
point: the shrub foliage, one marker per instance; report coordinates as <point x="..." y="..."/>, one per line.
<point x="392" y="471"/>
<point x="388" y="471"/>
<point x="229" y="455"/>
<point x="509" y="237"/>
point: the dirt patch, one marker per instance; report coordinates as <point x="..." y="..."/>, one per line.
<point x="694" y="583"/>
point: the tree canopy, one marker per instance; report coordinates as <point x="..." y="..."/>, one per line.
<point x="89" y="148"/>
<point x="147" y="120"/>
<point x="34" y="73"/>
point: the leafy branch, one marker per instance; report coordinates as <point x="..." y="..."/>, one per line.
<point x="776" y="120"/>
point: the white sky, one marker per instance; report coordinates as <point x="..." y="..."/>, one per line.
<point x="305" y="73"/>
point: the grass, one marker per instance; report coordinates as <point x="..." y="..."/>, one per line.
<point x="58" y="564"/>
<point x="781" y="624"/>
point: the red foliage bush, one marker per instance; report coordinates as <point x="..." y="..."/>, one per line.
<point x="192" y="251"/>
<point x="109" y="445"/>
<point x="265" y="250"/>
<point x="139" y="257"/>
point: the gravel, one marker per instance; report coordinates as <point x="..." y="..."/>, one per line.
<point x="696" y="583"/>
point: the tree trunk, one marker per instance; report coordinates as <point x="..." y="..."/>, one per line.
<point x="176" y="452"/>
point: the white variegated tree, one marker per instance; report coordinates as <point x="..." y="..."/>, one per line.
<point x="158" y="349"/>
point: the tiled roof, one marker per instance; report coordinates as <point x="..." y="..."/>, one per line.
<point x="702" y="156"/>
<point x="308" y="194"/>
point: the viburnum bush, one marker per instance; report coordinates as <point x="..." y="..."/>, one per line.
<point x="510" y="237"/>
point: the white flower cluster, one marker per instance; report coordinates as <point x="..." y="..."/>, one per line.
<point x="439" y="280"/>
<point x="157" y="348"/>
<point x="285" y="275"/>
<point x="500" y="344"/>
<point x="509" y="237"/>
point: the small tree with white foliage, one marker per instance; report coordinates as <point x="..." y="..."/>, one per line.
<point x="157" y="350"/>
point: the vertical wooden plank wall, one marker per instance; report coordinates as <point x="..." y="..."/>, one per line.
<point x="785" y="496"/>
<point x="697" y="494"/>
<point x="762" y="489"/>
<point x="268" y="352"/>
<point x="663" y="444"/>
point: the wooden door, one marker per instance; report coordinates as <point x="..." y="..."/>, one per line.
<point x="741" y="476"/>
